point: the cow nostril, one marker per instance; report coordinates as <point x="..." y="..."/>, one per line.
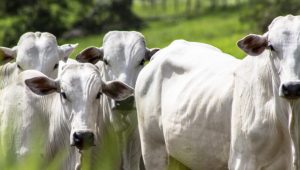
<point x="83" y="140"/>
<point x="285" y="90"/>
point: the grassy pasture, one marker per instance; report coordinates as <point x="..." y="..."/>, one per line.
<point x="221" y="28"/>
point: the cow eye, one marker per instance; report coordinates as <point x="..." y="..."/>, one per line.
<point x="55" y="66"/>
<point x="105" y="62"/>
<point x="19" y="67"/>
<point x="63" y="94"/>
<point x="271" y="47"/>
<point x="98" y="95"/>
<point x="142" y="62"/>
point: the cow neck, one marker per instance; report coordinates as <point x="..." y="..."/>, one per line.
<point x="294" y="133"/>
<point x="7" y="73"/>
<point x="59" y="127"/>
<point x="291" y="112"/>
<point x="110" y="117"/>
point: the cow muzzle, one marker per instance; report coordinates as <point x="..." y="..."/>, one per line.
<point x="290" y="90"/>
<point x="83" y="139"/>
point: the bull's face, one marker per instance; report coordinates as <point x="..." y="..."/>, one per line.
<point x="283" y="41"/>
<point x="38" y="51"/>
<point x="80" y="87"/>
<point x="80" y="94"/>
<point x="124" y="54"/>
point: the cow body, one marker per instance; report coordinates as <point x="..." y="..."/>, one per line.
<point x="175" y="117"/>
<point x="260" y="136"/>
<point x="194" y="103"/>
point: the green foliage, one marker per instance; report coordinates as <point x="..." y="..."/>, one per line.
<point x="221" y="29"/>
<point x="261" y="13"/>
<point x="44" y="15"/>
<point x="61" y="16"/>
<point x="38" y="17"/>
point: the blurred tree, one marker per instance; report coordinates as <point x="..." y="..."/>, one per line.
<point x="224" y="3"/>
<point x="122" y="14"/>
<point x="34" y="15"/>
<point x="188" y="7"/>
<point x="213" y="4"/>
<point x="106" y="15"/>
<point x="61" y="16"/>
<point x="197" y="7"/>
<point x="176" y="4"/>
<point x="164" y="4"/>
<point x="261" y="13"/>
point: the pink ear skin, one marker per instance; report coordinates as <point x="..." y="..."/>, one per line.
<point x="42" y="85"/>
<point x="117" y="90"/>
<point x="150" y="53"/>
<point x="5" y="55"/>
<point x="90" y="55"/>
<point x="253" y="44"/>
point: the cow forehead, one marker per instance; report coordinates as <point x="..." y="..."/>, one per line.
<point x="36" y="35"/>
<point x="38" y="45"/>
<point x="123" y="43"/>
<point x="80" y="76"/>
<point x="285" y="27"/>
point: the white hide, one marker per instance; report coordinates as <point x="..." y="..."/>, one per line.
<point x="56" y="117"/>
<point x="265" y="125"/>
<point x="123" y="55"/>
<point x="34" y="51"/>
<point x="184" y="105"/>
<point x="195" y="103"/>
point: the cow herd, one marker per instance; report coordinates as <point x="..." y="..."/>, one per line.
<point x="191" y="107"/>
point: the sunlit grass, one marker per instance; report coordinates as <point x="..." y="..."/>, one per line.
<point x="221" y="29"/>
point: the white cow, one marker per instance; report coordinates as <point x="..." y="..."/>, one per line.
<point x="123" y="54"/>
<point x="203" y="107"/>
<point x="63" y="112"/>
<point x="35" y="51"/>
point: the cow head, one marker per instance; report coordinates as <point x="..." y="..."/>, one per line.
<point x="80" y="87"/>
<point x="37" y="51"/>
<point x="124" y="54"/>
<point x="282" y="39"/>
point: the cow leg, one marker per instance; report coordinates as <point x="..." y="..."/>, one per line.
<point x="155" y="157"/>
<point x="131" y="153"/>
<point x="173" y="164"/>
<point x="154" y="153"/>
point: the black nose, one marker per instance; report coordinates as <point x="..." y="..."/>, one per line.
<point x="291" y="90"/>
<point x="83" y="140"/>
<point x="126" y="104"/>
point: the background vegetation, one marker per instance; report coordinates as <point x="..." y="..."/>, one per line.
<point x="218" y="22"/>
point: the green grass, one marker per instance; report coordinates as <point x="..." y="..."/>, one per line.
<point x="222" y="30"/>
<point x="141" y="7"/>
<point x="219" y="28"/>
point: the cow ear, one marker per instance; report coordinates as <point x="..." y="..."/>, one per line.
<point x="7" y="54"/>
<point x="150" y="52"/>
<point x="253" y="44"/>
<point x="90" y="55"/>
<point x="42" y="85"/>
<point x="65" y="50"/>
<point x="117" y="90"/>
